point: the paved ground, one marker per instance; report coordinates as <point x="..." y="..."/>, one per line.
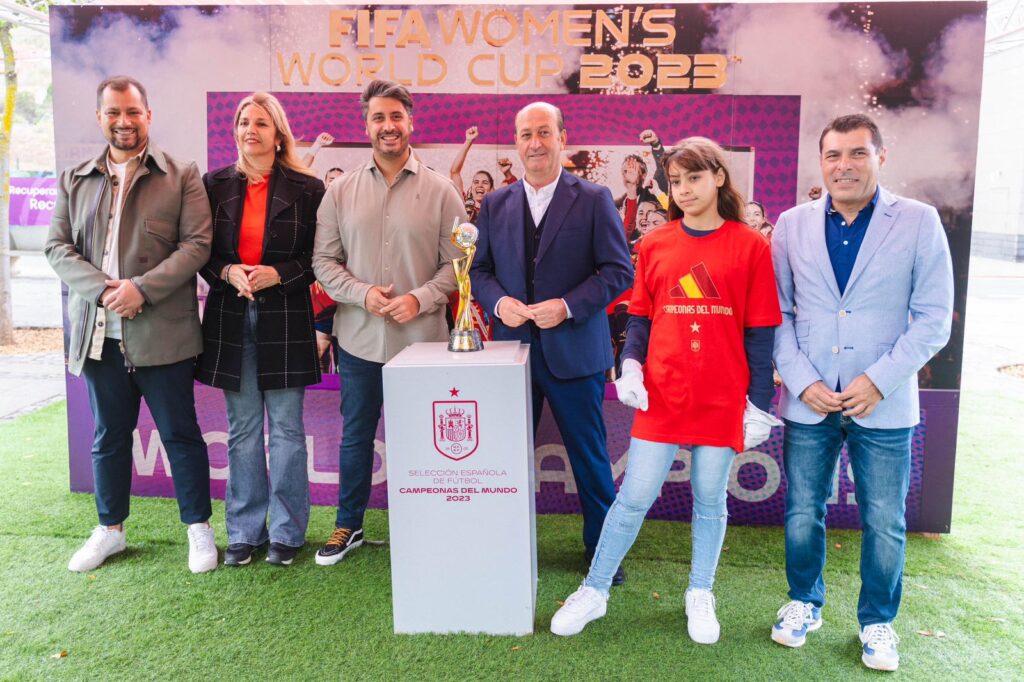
<point x="995" y="325"/>
<point x="30" y="381"/>
<point x="35" y="291"/>
<point x="994" y="337"/>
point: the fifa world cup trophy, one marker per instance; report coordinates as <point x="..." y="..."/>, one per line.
<point x="464" y="338"/>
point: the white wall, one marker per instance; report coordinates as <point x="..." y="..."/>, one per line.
<point x="998" y="228"/>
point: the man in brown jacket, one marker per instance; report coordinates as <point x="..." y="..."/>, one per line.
<point x="130" y="230"/>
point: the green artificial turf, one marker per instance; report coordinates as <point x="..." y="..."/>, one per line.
<point x="144" y="616"/>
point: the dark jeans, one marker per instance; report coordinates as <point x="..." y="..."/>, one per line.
<point x="577" y="405"/>
<point x="881" y="470"/>
<point x="362" y="397"/>
<point x="114" y="395"/>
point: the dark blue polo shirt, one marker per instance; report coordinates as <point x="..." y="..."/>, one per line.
<point x="844" y="240"/>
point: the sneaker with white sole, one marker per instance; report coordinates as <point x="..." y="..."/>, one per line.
<point x="202" y="551"/>
<point x="581" y="607"/>
<point x="796" y="619"/>
<point x="880" y="642"/>
<point x="701" y="622"/>
<point x="281" y="555"/>
<point x="104" y="542"/>
<point x="239" y="553"/>
<point x="341" y="542"/>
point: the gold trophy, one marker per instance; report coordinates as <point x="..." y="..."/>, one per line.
<point x="464" y="338"/>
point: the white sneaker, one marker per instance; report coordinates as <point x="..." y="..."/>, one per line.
<point x="582" y="606"/>
<point x="202" y="552"/>
<point x="880" y="642"/>
<point x="795" y="620"/>
<point x="701" y="623"/>
<point x="103" y="542"/>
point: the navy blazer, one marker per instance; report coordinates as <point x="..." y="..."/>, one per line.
<point x="582" y="257"/>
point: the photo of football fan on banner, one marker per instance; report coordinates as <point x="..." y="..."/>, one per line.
<point x="631" y="80"/>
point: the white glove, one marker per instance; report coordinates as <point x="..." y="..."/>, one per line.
<point x="630" y="386"/>
<point x="757" y="425"/>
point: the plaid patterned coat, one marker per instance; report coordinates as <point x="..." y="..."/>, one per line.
<point x="286" y="346"/>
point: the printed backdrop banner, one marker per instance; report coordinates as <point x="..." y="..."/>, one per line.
<point x="760" y="79"/>
<point x="32" y="200"/>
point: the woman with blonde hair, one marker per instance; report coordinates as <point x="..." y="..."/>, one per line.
<point x="259" y="345"/>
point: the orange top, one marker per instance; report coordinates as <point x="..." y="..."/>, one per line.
<point x="254" y="219"/>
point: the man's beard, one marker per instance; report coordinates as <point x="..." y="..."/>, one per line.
<point x="393" y="154"/>
<point x="123" y="146"/>
<point x="380" y="148"/>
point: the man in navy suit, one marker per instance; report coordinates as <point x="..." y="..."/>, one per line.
<point x="551" y="256"/>
<point x="866" y="289"/>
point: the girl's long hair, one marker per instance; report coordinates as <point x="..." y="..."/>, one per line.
<point x="286" y="155"/>
<point x="699" y="154"/>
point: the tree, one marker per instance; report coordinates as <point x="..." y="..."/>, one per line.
<point x="7" y="122"/>
<point x="27" y="109"/>
<point x="17" y="13"/>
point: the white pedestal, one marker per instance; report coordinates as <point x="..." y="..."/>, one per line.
<point x="460" y="489"/>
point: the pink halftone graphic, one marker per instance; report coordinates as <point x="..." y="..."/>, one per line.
<point x="769" y="124"/>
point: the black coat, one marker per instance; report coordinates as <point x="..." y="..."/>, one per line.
<point x="286" y="342"/>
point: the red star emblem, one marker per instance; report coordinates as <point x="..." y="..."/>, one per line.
<point x="454" y="391"/>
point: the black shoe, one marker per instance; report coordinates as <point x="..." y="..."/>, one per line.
<point x="281" y="555"/>
<point x="341" y="542"/>
<point x="620" y="575"/>
<point x="239" y="554"/>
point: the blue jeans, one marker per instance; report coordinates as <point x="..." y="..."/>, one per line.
<point x="646" y="471"/>
<point x="248" y="498"/>
<point x="115" y="395"/>
<point x="362" y="397"/>
<point x="881" y="470"/>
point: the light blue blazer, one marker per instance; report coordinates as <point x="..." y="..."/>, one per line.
<point x="893" y="317"/>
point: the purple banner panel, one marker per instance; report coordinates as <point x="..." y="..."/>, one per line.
<point x="32" y="200"/>
<point x="757" y="486"/>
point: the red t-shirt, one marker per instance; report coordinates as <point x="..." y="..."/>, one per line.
<point x="700" y="293"/>
<point x="254" y="219"/>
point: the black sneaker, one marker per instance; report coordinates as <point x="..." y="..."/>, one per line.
<point x="620" y="575"/>
<point x="281" y="555"/>
<point x="239" y="554"/>
<point x="342" y="540"/>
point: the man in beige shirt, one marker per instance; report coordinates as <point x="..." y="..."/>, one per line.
<point x="383" y="251"/>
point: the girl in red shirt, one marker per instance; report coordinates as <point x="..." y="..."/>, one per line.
<point x="697" y="366"/>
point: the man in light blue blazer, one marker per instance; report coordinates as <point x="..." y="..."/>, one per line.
<point x="866" y="288"/>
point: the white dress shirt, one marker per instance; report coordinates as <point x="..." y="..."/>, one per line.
<point x="538" y="200"/>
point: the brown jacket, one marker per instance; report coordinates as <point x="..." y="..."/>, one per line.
<point x="164" y="239"/>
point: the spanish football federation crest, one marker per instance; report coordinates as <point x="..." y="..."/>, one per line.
<point x="456" y="434"/>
